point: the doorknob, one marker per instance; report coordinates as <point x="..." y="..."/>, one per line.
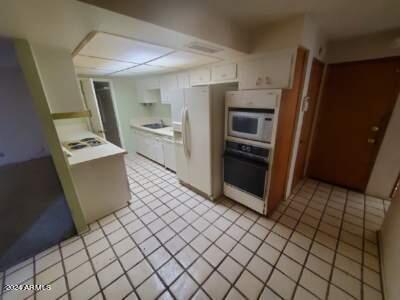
<point x="371" y="141"/>
<point x="374" y="128"/>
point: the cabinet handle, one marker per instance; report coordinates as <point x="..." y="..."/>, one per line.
<point x="258" y="81"/>
<point x="267" y="80"/>
<point x="223" y="75"/>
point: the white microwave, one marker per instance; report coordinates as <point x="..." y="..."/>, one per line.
<point x="251" y="124"/>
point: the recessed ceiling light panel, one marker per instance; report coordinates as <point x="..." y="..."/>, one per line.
<point x="115" y="47"/>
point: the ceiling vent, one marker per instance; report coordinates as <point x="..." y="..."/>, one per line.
<point x="200" y="47"/>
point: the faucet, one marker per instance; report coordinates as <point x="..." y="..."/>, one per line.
<point x="162" y="123"/>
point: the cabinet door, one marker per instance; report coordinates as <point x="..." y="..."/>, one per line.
<point x="147" y="90"/>
<point x="200" y="76"/>
<point x="168" y="83"/>
<point x="140" y="142"/>
<point x="223" y="72"/>
<point x="271" y="71"/>
<point x="158" y="153"/>
<point x="183" y="80"/>
<point x="169" y="154"/>
<point x="177" y="101"/>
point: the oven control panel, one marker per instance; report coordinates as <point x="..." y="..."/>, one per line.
<point x="246" y="150"/>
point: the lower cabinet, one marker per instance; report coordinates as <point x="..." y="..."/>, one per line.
<point x="169" y="153"/>
<point x="157" y="148"/>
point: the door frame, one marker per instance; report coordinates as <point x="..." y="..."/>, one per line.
<point x="313" y="120"/>
<point x="114" y="103"/>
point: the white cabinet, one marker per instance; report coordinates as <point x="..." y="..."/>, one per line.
<point x="169" y="153"/>
<point x="274" y="70"/>
<point x="168" y="83"/>
<point x="183" y="80"/>
<point x="200" y="76"/>
<point x="161" y="149"/>
<point x="147" y="90"/>
<point x="225" y="72"/>
<point x="177" y="98"/>
<point x="155" y="145"/>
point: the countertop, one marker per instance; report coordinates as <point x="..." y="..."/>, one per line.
<point x="90" y="153"/>
<point x="166" y="131"/>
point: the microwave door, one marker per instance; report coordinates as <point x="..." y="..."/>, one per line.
<point x="243" y="125"/>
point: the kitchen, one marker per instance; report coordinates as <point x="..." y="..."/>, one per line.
<point x="179" y="159"/>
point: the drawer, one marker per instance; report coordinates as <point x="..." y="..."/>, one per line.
<point x="223" y="72"/>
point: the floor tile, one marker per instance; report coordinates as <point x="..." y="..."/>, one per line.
<point x="249" y="285"/>
<point x="281" y="284"/>
<point x="186" y="256"/>
<point x="184" y="287"/>
<point x="170" y="271"/>
<point x="140" y="273"/>
<point x="314" y="283"/>
<point x="214" y="255"/>
<point x="110" y="273"/>
<point x="200" y="270"/>
<point x="230" y="269"/>
<point x="119" y="289"/>
<point x="86" y="289"/>
<point x="159" y="257"/>
<point x="259" y="268"/>
<point x="216" y="286"/>
<point x="289" y="267"/>
<point x="79" y="274"/>
<point x="241" y="254"/>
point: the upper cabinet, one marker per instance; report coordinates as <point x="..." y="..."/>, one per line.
<point x="225" y="72"/>
<point x="200" y="76"/>
<point x="274" y="70"/>
<point x="183" y="80"/>
<point x="168" y="83"/>
<point x="148" y="90"/>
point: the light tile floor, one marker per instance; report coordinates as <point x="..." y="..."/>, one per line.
<point x="171" y="243"/>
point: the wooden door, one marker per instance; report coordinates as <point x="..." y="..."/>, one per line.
<point x="317" y="70"/>
<point x="357" y="101"/>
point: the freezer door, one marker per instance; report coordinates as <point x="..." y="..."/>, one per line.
<point x="198" y="136"/>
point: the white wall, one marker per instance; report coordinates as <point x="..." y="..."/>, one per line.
<point x="377" y="45"/>
<point x="279" y="35"/>
<point x="387" y="165"/>
<point x="20" y="130"/>
<point x="390" y="250"/>
<point x="295" y="32"/>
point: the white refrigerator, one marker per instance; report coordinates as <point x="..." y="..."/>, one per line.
<point x="198" y="122"/>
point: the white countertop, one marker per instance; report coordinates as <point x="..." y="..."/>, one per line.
<point x="166" y="131"/>
<point x="90" y="153"/>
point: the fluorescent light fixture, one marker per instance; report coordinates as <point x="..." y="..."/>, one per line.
<point x="183" y="59"/>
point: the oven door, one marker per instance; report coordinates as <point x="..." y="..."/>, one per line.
<point x="245" y="125"/>
<point x="245" y="174"/>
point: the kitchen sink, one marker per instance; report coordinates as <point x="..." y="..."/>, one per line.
<point x="155" y="125"/>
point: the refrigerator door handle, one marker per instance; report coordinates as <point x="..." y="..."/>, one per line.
<point x="183" y="128"/>
<point x="187" y="133"/>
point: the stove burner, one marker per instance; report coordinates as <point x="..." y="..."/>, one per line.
<point x="78" y="146"/>
<point x="88" y="139"/>
<point x="73" y="144"/>
<point x="94" y="143"/>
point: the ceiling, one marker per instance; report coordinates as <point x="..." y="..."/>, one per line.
<point x="108" y="54"/>
<point x="337" y="18"/>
